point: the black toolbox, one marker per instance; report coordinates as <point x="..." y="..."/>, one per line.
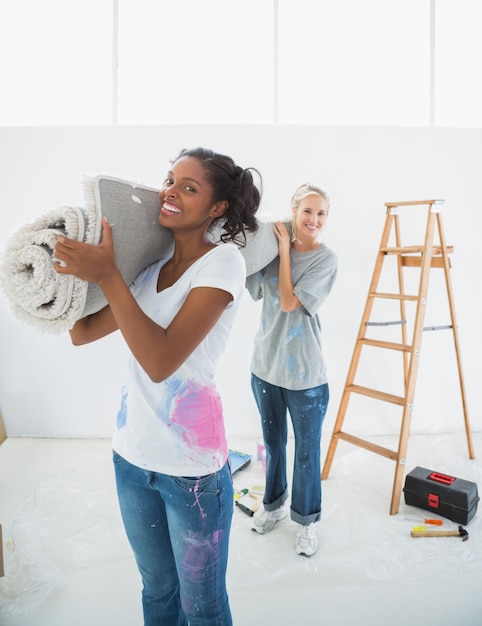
<point x="447" y="496"/>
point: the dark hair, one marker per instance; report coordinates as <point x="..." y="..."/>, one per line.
<point x="232" y="183"/>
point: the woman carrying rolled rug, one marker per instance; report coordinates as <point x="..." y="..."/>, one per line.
<point x="170" y="450"/>
<point x="288" y="371"/>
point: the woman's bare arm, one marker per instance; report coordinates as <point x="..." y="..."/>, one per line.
<point x="93" y="327"/>
<point x="288" y="301"/>
<point x="160" y="351"/>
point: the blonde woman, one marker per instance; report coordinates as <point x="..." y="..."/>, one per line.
<point x="288" y="372"/>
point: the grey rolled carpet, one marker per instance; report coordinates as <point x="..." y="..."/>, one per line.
<point x="52" y="302"/>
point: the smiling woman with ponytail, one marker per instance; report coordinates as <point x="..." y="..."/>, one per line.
<point x="169" y="447"/>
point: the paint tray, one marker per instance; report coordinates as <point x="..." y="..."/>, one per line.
<point x="238" y="460"/>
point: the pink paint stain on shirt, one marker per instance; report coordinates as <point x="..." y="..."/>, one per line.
<point x="198" y="411"/>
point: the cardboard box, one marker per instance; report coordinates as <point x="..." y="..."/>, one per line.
<point x="446" y="496"/>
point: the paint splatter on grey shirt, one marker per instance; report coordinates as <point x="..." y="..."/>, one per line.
<point x="287" y="349"/>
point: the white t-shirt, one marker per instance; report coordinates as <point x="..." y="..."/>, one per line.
<point x="176" y="427"/>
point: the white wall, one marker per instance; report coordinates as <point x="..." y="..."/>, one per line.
<point x="48" y="388"/>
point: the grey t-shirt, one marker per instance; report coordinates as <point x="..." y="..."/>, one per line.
<point x="287" y="349"/>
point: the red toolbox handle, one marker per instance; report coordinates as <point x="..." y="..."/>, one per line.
<point x="442" y="478"/>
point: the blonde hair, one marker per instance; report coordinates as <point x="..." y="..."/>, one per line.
<point x="301" y="192"/>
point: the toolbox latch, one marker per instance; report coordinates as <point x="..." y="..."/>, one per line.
<point x="433" y="500"/>
<point x="441" y="478"/>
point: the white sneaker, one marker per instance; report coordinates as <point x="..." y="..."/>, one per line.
<point x="264" y="521"/>
<point x="306" y="540"/>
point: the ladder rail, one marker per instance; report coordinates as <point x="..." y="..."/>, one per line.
<point x="455" y="334"/>
<point x="411" y="380"/>
<point x="401" y="290"/>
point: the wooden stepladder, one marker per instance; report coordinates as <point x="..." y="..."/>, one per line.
<point x="424" y="258"/>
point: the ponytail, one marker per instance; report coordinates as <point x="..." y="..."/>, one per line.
<point x="236" y="185"/>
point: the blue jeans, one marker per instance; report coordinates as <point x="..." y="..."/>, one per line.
<point x="178" y="529"/>
<point x="307" y="409"/>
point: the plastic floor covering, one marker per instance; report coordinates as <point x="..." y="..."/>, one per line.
<point x="67" y="560"/>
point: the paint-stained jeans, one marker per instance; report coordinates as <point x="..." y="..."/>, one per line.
<point x="307" y="409"/>
<point x="178" y="529"/>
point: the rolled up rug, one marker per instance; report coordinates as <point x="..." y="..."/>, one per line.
<point x="133" y="212"/>
<point x="37" y="293"/>
<point x="52" y="302"/>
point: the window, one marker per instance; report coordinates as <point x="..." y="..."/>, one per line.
<point x="343" y="62"/>
<point x="55" y="62"/>
<point x="195" y="62"/>
<point x="355" y="62"/>
<point x="458" y="60"/>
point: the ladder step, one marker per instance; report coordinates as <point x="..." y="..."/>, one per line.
<point x="403" y="250"/>
<point x="436" y="250"/>
<point x="437" y="201"/>
<point x="402" y="347"/>
<point x="416" y="261"/>
<point x="393" y="296"/>
<point x="362" y="443"/>
<point x="373" y="393"/>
